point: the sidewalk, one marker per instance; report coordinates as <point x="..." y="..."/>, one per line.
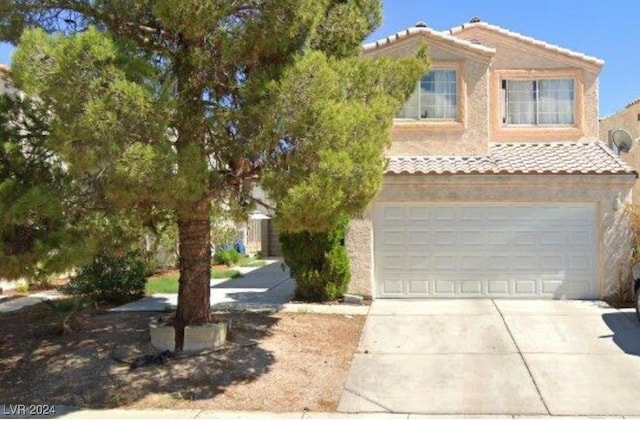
<point x="268" y="284"/>
<point x="63" y="412"/>
<point x="34" y="299"/>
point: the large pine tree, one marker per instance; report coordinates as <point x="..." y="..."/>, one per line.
<point x="175" y="104"/>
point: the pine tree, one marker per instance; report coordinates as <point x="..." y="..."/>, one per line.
<point x="173" y="105"/>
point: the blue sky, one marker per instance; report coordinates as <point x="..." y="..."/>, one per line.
<point x="604" y="29"/>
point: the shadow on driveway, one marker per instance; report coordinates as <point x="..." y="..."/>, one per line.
<point x="626" y="330"/>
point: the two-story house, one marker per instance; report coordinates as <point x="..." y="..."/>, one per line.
<point x="628" y="120"/>
<point x="497" y="185"/>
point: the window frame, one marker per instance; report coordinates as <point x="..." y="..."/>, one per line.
<point x="501" y="131"/>
<point x="504" y="98"/>
<point x="438" y="124"/>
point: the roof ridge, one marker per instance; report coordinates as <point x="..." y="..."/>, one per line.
<point x="425" y="30"/>
<point x="528" y="39"/>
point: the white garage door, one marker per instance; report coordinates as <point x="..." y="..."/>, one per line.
<point x="474" y="250"/>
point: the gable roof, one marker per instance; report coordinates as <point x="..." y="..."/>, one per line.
<point x="424" y="30"/>
<point x="525" y="158"/>
<point x="532" y="41"/>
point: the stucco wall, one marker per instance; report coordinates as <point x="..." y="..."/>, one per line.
<point x="627" y="120"/>
<point x="359" y="244"/>
<point x="471" y="135"/>
<point x="614" y="241"/>
<point x="514" y="54"/>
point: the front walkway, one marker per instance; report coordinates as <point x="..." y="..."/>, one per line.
<point x="496" y="357"/>
<point x="269" y="284"/>
<point x="33" y="299"/>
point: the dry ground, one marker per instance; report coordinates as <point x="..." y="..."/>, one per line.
<point x="300" y="362"/>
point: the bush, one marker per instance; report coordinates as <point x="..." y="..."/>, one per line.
<point x="110" y="278"/>
<point x="226" y="257"/>
<point x="318" y="262"/>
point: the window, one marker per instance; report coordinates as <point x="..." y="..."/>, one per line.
<point x="539" y="102"/>
<point x="435" y="97"/>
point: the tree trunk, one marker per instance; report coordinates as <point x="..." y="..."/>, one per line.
<point x="195" y="272"/>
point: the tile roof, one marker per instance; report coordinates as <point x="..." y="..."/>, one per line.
<point x="483" y="49"/>
<point x="529" y="40"/>
<point x="525" y="158"/>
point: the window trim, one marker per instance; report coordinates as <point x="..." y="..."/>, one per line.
<point x="504" y="86"/>
<point x="456" y="125"/>
<point x="501" y="131"/>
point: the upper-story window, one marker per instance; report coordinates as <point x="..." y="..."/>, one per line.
<point x="538" y="102"/>
<point x="435" y="97"/>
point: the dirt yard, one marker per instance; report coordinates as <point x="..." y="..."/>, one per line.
<point x="300" y="362"/>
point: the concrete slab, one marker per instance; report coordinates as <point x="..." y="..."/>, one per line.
<point x="222" y="414"/>
<point x="362" y="415"/>
<point x="17" y="304"/>
<point x="436" y="334"/>
<point x="417" y="416"/>
<point x="472" y="384"/>
<point x="610" y="333"/>
<point x="433" y="307"/>
<point x="361" y="403"/>
<point x="584" y="385"/>
<point x="131" y="414"/>
<point x="268" y="284"/>
<point x="553" y="307"/>
<point x="155" y="303"/>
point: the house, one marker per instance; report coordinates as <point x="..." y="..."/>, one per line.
<point x="497" y="184"/>
<point x="629" y="120"/>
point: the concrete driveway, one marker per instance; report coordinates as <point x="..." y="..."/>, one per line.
<point x="496" y="357"/>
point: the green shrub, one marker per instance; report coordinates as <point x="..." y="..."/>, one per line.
<point x="318" y="262"/>
<point x="226" y="257"/>
<point x="110" y="278"/>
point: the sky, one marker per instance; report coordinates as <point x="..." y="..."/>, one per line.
<point x="606" y="29"/>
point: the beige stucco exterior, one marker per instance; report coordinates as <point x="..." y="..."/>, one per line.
<point x="629" y="120"/>
<point x="613" y="249"/>
<point x="480" y="125"/>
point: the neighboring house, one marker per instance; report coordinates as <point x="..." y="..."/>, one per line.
<point x="629" y="120"/>
<point x="497" y="185"/>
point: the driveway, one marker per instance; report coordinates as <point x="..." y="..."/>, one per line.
<point x="496" y="357"/>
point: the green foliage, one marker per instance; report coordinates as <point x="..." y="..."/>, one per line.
<point x="226" y="257"/>
<point x="335" y="117"/>
<point x="318" y="262"/>
<point x="168" y="106"/>
<point x="110" y="278"/>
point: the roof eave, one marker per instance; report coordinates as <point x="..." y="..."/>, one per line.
<point x="590" y="60"/>
<point x="417" y="31"/>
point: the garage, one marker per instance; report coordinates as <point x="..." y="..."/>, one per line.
<point x="515" y="250"/>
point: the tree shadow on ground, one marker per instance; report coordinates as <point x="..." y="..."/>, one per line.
<point x="39" y="365"/>
<point x="626" y="330"/>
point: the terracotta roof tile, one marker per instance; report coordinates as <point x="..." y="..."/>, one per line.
<point x="529" y="40"/>
<point x="428" y="31"/>
<point x="525" y="158"/>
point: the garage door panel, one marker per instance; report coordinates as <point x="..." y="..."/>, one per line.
<point x="418" y="237"/>
<point x="498" y="287"/>
<point x="419" y="288"/>
<point x="485" y="250"/>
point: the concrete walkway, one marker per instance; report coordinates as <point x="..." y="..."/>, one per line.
<point x="33" y="299"/>
<point x="264" y="285"/>
<point x="496" y="357"/>
<point x="63" y="412"/>
<point x="268" y="288"/>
